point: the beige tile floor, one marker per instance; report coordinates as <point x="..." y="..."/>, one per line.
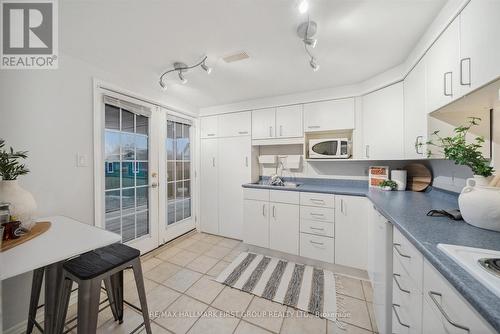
<point x="184" y="298"/>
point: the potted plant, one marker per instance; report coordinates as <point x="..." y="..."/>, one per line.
<point x="21" y="203"/>
<point x="458" y="149"/>
<point x="388" y="185"/>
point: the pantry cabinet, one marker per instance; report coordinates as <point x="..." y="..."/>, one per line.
<point x="442" y="68"/>
<point x="351" y="231"/>
<point x="234" y="124"/>
<point x="479" y="49"/>
<point x="329" y="115"/>
<point x="209" y="186"/>
<point x="383" y="123"/>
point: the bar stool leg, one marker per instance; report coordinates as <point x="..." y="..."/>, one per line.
<point x="136" y="266"/>
<point x="36" y="287"/>
<point x="88" y="305"/>
<point x="63" y="310"/>
<point x="114" y="289"/>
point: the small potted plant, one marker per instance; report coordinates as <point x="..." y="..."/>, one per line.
<point x="458" y="149"/>
<point x="22" y="205"/>
<point x="388" y="185"/>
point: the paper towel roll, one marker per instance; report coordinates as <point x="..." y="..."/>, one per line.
<point x="399" y="176"/>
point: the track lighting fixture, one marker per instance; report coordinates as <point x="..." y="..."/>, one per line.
<point x="303" y="6"/>
<point x="306" y="32"/>
<point x="181" y="69"/>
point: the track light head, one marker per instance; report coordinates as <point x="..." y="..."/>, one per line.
<point x="206" y="68"/>
<point x="310" y="42"/>
<point x="303" y="6"/>
<point x="182" y="78"/>
<point x="163" y="85"/>
<point x="314" y="65"/>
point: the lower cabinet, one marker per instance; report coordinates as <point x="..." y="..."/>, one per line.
<point x="256" y="222"/>
<point x="317" y="247"/>
<point x="284" y="227"/>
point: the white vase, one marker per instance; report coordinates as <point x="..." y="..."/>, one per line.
<point x="480" y="205"/>
<point x="478" y="180"/>
<point x="22" y="204"/>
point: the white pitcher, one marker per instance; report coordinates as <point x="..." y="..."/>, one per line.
<point x="480" y="205"/>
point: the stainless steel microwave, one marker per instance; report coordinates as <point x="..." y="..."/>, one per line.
<point x="332" y="148"/>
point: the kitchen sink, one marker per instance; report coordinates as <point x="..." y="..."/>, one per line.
<point x="285" y="185"/>
<point x="478" y="262"/>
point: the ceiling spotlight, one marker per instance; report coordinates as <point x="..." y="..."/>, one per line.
<point x="206" y="68"/>
<point x="183" y="79"/>
<point x="303" y="7"/>
<point x="163" y="85"/>
<point x="311" y="42"/>
<point x="314" y="65"/>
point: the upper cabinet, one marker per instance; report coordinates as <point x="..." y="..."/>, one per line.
<point x="383" y="123"/>
<point x="209" y="126"/>
<point x="289" y="121"/>
<point x="280" y="122"/>
<point x="415" y="113"/>
<point x="443" y="77"/>
<point x="479" y="47"/>
<point x="235" y="124"/>
<point x="329" y="115"/>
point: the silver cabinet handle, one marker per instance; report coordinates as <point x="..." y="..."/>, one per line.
<point x="316" y="228"/>
<point x="342" y="206"/>
<point x="264" y="210"/>
<point x="270" y="131"/>
<point x="397" y="315"/>
<point x="314" y="127"/>
<point x="274" y="211"/>
<point x="317" y="214"/>
<point x="418" y="145"/>
<point x="395" y="276"/>
<point x="246" y="161"/>
<point x="210" y="134"/>
<point x="432" y="294"/>
<point x="317" y="200"/>
<point x="445" y="86"/>
<point x="316" y="243"/>
<point x="213" y="161"/>
<point x="281" y="130"/>
<point x="396" y="247"/>
<point x="367" y="151"/>
<point x="242" y="132"/>
<point x="462" y="61"/>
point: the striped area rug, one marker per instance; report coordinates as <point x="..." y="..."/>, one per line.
<point x="296" y="285"/>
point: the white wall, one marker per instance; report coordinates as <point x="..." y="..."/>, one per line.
<point x="50" y="114"/>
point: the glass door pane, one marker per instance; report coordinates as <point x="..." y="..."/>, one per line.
<point x="126" y="168"/>
<point x="178" y="146"/>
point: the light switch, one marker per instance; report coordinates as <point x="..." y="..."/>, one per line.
<point x="81" y="160"/>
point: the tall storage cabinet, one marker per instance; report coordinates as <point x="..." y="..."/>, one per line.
<point x="209" y="186"/>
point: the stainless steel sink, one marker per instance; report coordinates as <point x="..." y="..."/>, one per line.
<point x="285" y="185"/>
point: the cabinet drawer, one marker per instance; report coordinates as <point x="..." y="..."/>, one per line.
<point x="318" y="214"/>
<point x="411" y="259"/>
<point x="446" y="302"/>
<point x="317" y="228"/>
<point x="317" y="247"/>
<point x="319" y="200"/>
<point x="283" y="196"/>
<point x="256" y="194"/>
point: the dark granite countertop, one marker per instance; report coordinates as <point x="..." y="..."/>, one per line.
<point x="407" y="210"/>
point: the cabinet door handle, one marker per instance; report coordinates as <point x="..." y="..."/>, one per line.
<point x="395" y="277"/>
<point x="317" y="200"/>
<point x="418" y="145"/>
<point x="316" y="228"/>
<point x="314" y="127"/>
<point x="397" y="315"/>
<point x="462" y="61"/>
<point x="317" y="214"/>
<point x="432" y="294"/>
<point x="342" y="206"/>
<point x="264" y="210"/>
<point x="270" y="131"/>
<point x="246" y="161"/>
<point x="367" y="151"/>
<point x="213" y="162"/>
<point x="210" y="134"/>
<point x="396" y="247"/>
<point x="242" y="132"/>
<point x="445" y="85"/>
<point x="316" y="243"/>
<point x="281" y="130"/>
<point x="274" y="211"/>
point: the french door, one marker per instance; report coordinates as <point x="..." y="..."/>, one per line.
<point x="143" y="171"/>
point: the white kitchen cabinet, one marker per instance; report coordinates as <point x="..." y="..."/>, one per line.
<point x="289" y="122"/>
<point x="329" y="115"/>
<point x="480" y="55"/>
<point x="209" y="186"/>
<point x="316" y="199"/>
<point x="234" y="170"/>
<point x="445" y="310"/>
<point x="351" y="231"/>
<point x="264" y="123"/>
<point x="317" y="247"/>
<point x="256" y="223"/>
<point x="284" y="227"/>
<point x="442" y="68"/>
<point x="235" y="124"/>
<point x="415" y="113"/>
<point x="383" y="123"/>
<point x="209" y="126"/>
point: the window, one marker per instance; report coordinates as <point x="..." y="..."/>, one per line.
<point x="178" y="148"/>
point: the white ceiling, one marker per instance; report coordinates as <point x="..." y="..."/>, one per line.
<point x="357" y="39"/>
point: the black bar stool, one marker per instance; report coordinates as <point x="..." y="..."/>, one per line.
<point x="89" y="270"/>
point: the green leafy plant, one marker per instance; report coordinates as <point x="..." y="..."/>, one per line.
<point x="465" y="153"/>
<point x="10" y="165"/>
<point x="388" y="183"/>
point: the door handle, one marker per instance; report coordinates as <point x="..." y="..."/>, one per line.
<point x="242" y="132"/>
<point x="367" y="151"/>
<point x="213" y="161"/>
<point x="432" y="294"/>
<point x="445" y="86"/>
<point x="270" y="131"/>
<point x="264" y="210"/>
<point x="210" y="134"/>
<point x="418" y="145"/>
<point x="274" y="211"/>
<point x="246" y="161"/>
<point x="313" y="127"/>
<point x="462" y="61"/>
<point x="342" y="206"/>
<point x="281" y="130"/>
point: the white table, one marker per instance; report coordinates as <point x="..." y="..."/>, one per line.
<point x="65" y="239"/>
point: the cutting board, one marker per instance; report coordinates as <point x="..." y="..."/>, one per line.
<point x="35" y="231"/>
<point x="419" y="177"/>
